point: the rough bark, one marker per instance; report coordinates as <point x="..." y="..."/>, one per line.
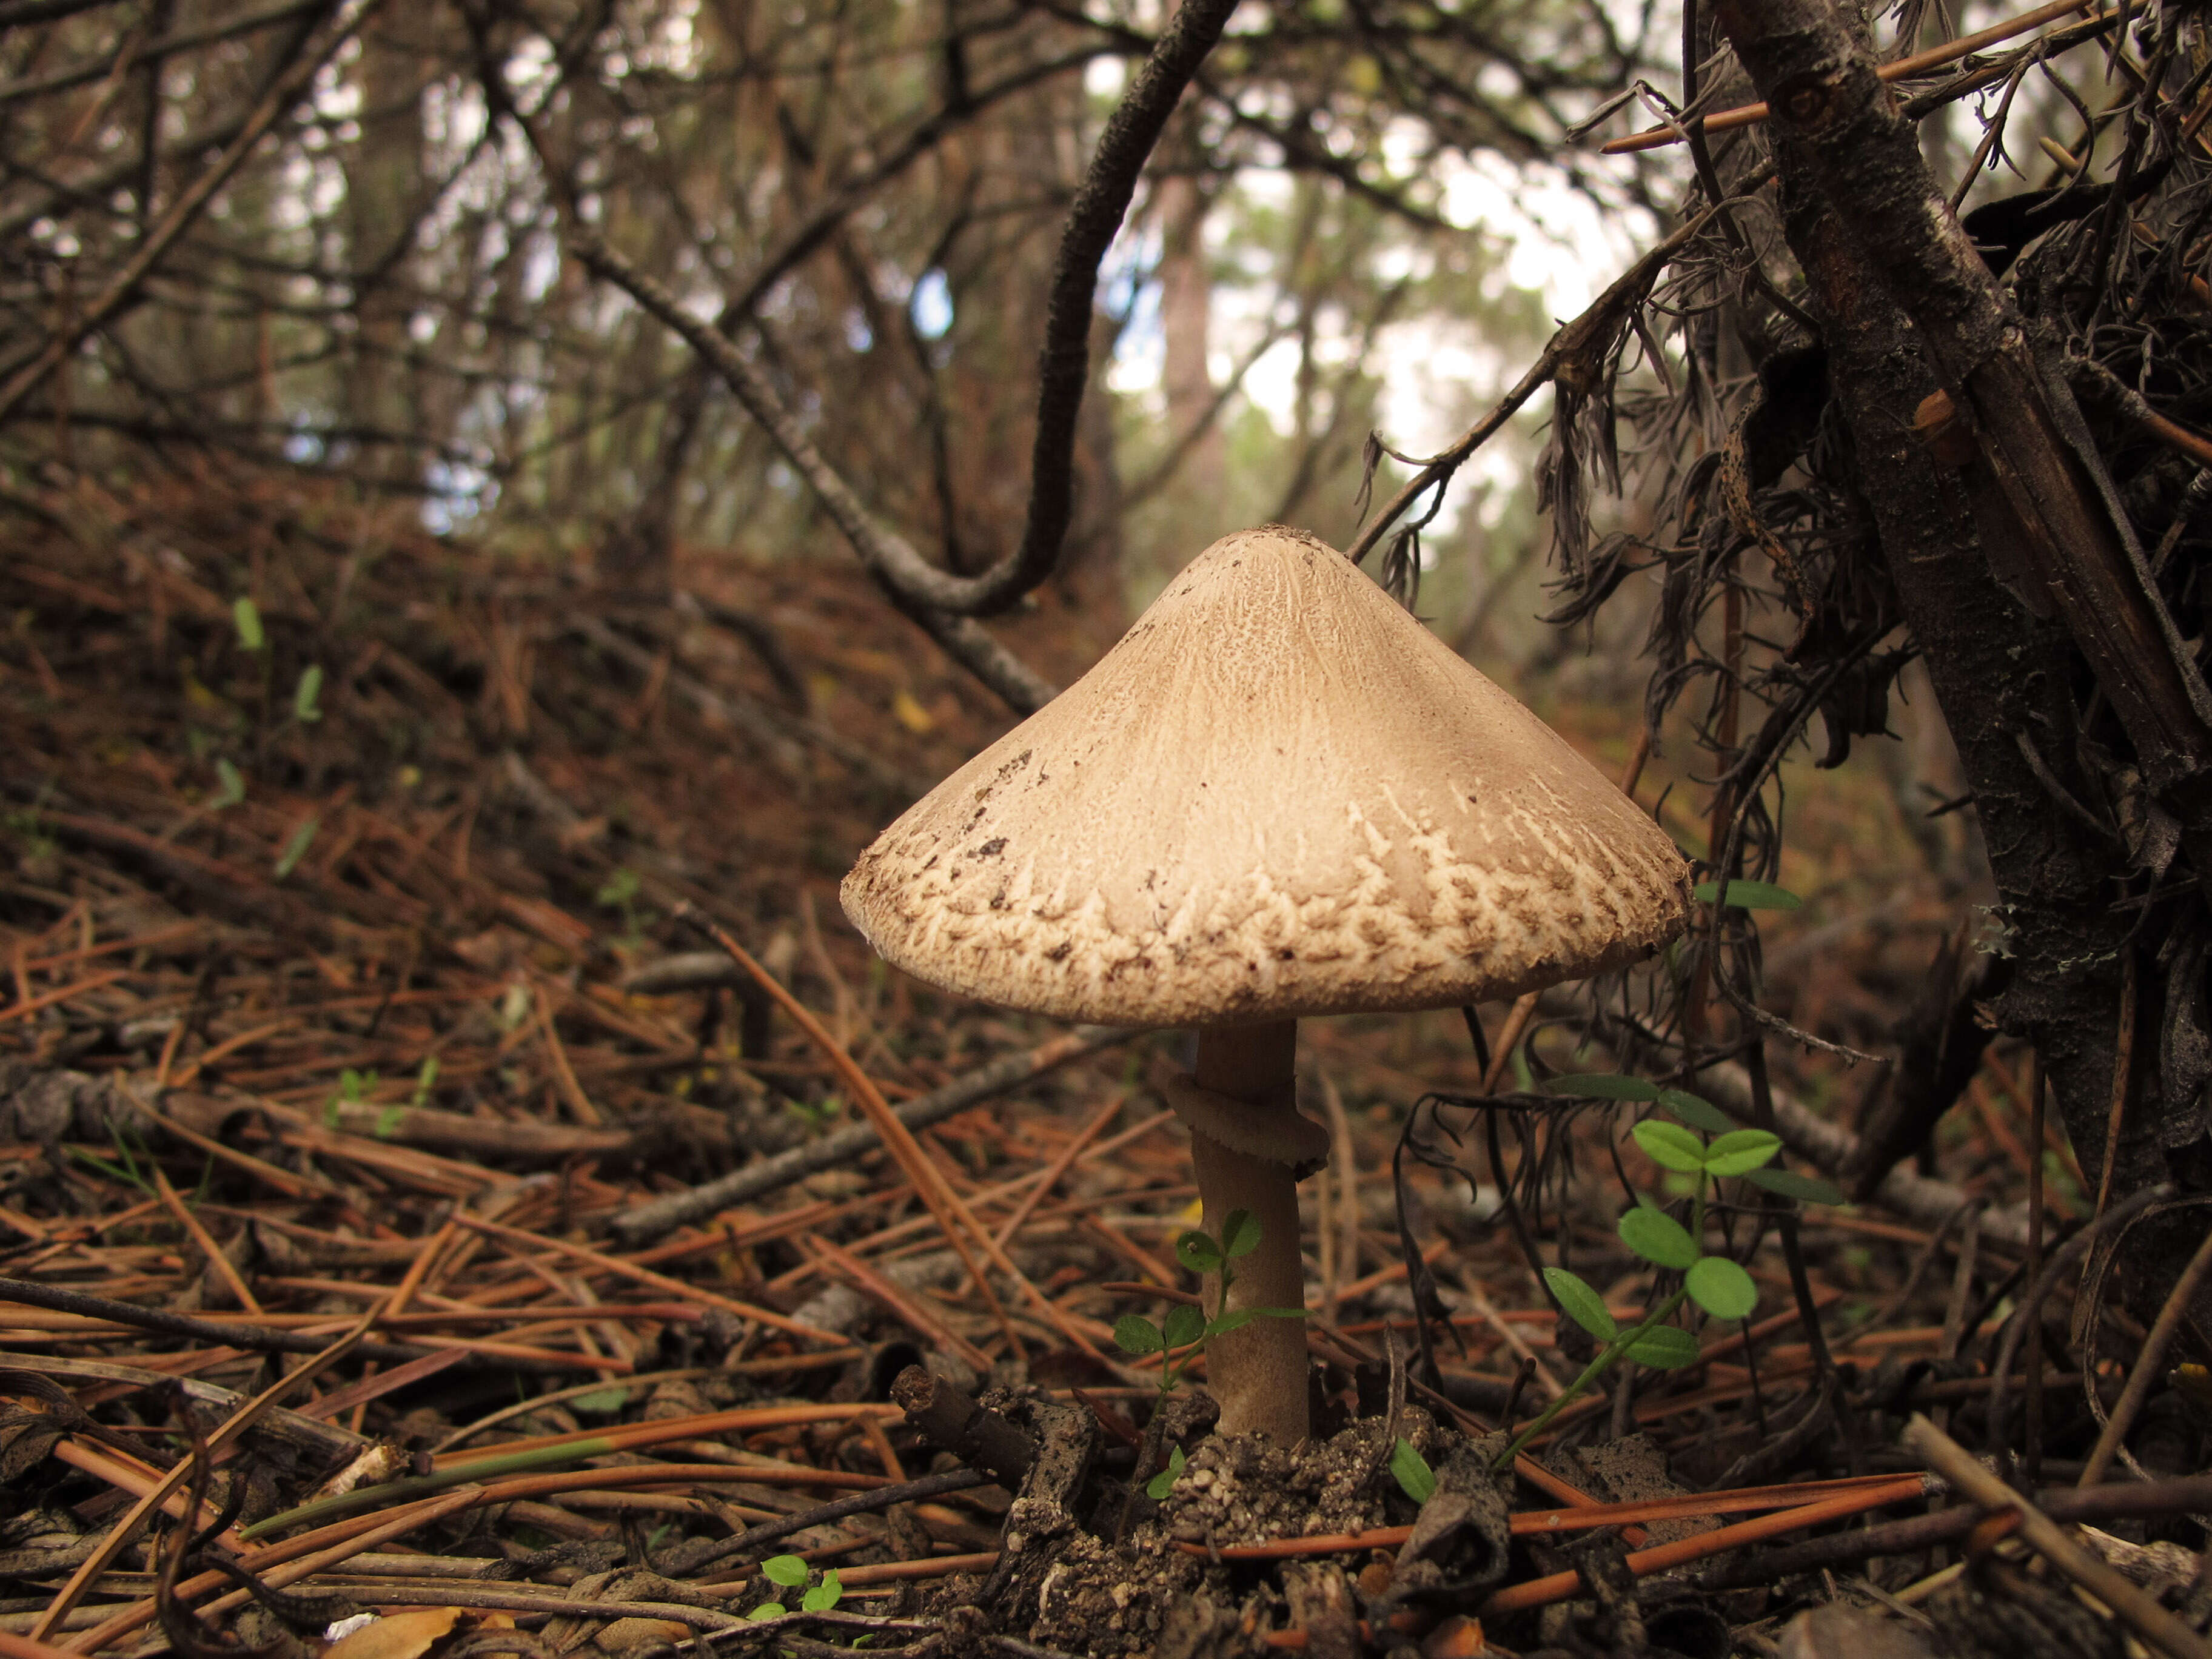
<point x="1187" y="335"/>
<point x="2000" y="671"/>
<point x="382" y="215"/>
<point x="2061" y="541"/>
<point x="1941" y="1041"/>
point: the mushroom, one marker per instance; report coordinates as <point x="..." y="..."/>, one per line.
<point x="1278" y="795"/>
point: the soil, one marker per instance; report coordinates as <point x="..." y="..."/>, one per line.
<point x="1076" y="1579"/>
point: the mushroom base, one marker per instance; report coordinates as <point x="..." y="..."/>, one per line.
<point x="1258" y="1374"/>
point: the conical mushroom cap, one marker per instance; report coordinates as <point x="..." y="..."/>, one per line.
<point x="1278" y="795"/>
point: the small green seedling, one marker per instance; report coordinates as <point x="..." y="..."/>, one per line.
<point x="245" y="617"/>
<point x="1163" y="1483"/>
<point x="353" y="1088"/>
<point x="1715" y="1283"/>
<point x="1187" y="1330"/>
<point x="296" y="848"/>
<point x="790" y="1572"/>
<point x="815" y="1114"/>
<point x="133" y="1161"/>
<point x="307" y="695"/>
<point x="619" y="891"/>
<point x="1415" y="1476"/>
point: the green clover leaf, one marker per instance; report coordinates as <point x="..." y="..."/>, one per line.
<point x="1721" y="1288"/>
<point x="1664" y="1348"/>
<point x="1182" y="1327"/>
<point x="1749" y="895"/>
<point x="1658" y="1238"/>
<point x="1670" y="1145"/>
<point x="788" y="1571"/>
<point x="1741" y="1151"/>
<point x="1697" y="1113"/>
<point x="1133" y="1334"/>
<point x="1240" y="1234"/>
<point x="233" y="789"/>
<point x="1198" y="1252"/>
<point x="1603" y="1086"/>
<point x="1807" y="1189"/>
<point x="1583" y="1305"/>
<point x="1161" y="1484"/>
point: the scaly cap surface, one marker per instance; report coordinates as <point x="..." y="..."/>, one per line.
<point x="1278" y="795"/>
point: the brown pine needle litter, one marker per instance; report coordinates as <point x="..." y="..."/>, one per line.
<point x="355" y="1114"/>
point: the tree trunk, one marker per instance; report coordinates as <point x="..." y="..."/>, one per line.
<point x="1982" y="527"/>
<point x="1186" y="330"/>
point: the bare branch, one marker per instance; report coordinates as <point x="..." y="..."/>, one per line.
<point x="152" y="52"/>
<point x="811" y="233"/>
<point x="1064" y="369"/>
<point x="1585" y="337"/>
<point x="930" y="594"/>
<point x="888" y="557"/>
<point x="311" y="51"/>
<point x="1302" y="155"/>
<point x="26" y="12"/>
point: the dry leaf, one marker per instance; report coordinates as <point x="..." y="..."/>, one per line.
<point x="625" y="1634"/>
<point x="402" y="1636"/>
<point x="1838" y="1632"/>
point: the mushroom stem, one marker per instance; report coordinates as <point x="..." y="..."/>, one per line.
<point x="1257" y="1373"/>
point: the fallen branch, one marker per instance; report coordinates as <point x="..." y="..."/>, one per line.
<point x="1563" y="1586"/>
<point x="288" y="1563"/>
<point x="2157" y="1627"/>
<point x="1001" y="1076"/>
<point x="415" y="1126"/>
<point x="254" y="1339"/>
<point x="700" y="1556"/>
<point x="1544" y="1523"/>
<point x="2123" y="1500"/>
<point x="975" y="1434"/>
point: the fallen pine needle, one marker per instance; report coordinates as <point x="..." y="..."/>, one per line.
<point x="1562" y="1586"/>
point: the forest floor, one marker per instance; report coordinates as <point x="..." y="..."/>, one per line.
<point x="349" y="1014"/>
